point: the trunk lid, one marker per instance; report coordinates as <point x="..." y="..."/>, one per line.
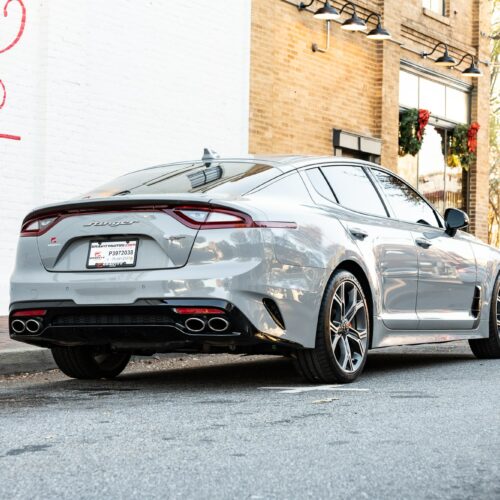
<point x="138" y="226"/>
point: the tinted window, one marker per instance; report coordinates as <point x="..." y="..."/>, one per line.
<point x="406" y="203"/>
<point x="291" y="187"/>
<point x="226" y="178"/>
<point x="319" y="183"/>
<point x="354" y="189"/>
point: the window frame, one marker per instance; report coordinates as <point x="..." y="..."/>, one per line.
<point x="305" y="175"/>
<point x="368" y="167"/>
<point x="443" y="11"/>
<point x="279" y="178"/>
<point x="358" y="164"/>
<point x="393" y="215"/>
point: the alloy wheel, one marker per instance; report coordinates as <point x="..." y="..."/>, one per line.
<point x="349" y="326"/>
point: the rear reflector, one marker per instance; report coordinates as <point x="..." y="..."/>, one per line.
<point x="31" y="312"/>
<point x="198" y="310"/>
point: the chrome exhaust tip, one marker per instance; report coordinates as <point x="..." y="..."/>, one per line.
<point x="33" y="326"/>
<point x="18" y="326"/>
<point x="194" y="325"/>
<point x="218" y="324"/>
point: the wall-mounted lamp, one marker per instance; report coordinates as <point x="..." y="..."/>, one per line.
<point x="472" y="71"/>
<point x="445" y="60"/>
<point x="379" y="32"/>
<point x="329" y="13"/>
<point x="448" y="62"/>
<point x="326" y="13"/>
<point x="354" y="23"/>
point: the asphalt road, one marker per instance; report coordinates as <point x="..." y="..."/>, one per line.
<point x="423" y="422"/>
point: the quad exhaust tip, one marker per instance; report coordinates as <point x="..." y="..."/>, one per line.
<point x="18" y="326"/>
<point x="197" y="325"/>
<point x="218" y="324"/>
<point x="30" y="326"/>
<point x="33" y="326"/>
<point x="194" y="325"/>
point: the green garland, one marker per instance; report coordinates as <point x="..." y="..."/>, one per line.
<point x="459" y="154"/>
<point x="409" y="144"/>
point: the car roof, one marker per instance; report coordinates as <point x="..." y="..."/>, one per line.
<point x="285" y="163"/>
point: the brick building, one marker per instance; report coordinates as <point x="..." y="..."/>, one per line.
<point x="359" y="86"/>
<point x="103" y="88"/>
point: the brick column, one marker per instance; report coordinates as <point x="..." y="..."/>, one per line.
<point x="389" y="119"/>
<point x="479" y="173"/>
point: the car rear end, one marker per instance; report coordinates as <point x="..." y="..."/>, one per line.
<point x="147" y="273"/>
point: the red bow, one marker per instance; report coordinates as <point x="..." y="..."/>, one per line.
<point x="472" y="137"/>
<point x="423" y="120"/>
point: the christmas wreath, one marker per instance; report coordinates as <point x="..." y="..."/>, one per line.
<point x="463" y="146"/>
<point x="412" y="123"/>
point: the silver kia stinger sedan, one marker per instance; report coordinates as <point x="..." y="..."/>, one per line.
<point x="316" y="258"/>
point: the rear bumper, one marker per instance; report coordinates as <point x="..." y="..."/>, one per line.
<point x="148" y="325"/>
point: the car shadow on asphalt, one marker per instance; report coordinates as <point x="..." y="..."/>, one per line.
<point x="254" y="372"/>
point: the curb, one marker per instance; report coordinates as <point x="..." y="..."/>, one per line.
<point x="35" y="359"/>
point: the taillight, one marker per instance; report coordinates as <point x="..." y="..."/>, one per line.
<point x="220" y="218"/>
<point x="37" y="227"/>
<point x="211" y="218"/>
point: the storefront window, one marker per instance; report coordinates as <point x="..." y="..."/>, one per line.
<point x="443" y="186"/>
<point x="432" y="166"/>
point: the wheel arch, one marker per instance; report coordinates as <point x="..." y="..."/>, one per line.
<point x="359" y="273"/>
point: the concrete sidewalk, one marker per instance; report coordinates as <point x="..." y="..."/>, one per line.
<point x="16" y="357"/>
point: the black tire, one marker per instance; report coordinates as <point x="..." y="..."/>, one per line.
<point x="323" y="363"/>
<point x="87" y="363"/>
<point x="490" y="348"/>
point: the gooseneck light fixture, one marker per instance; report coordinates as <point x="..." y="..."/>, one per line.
<point x="354" y="23"/>
<point x="445" y="60"/>
<point x="472" y="71"/>
<point x="379" y="32"/>
<point x="329" y="13"/>
<point x="326" y="13"/>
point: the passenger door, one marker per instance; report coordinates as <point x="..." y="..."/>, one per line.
<point x="385" y="247"/>
<point x="446" y="265"/>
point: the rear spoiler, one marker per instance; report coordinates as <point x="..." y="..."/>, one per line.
<point x="97" y="204"/>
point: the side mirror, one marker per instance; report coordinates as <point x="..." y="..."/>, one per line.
<point x="455" y="219"/>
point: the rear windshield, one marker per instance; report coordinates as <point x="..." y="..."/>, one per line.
<point x="222" y="178"/>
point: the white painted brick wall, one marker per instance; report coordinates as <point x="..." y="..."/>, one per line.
<point x="98" y="88"/>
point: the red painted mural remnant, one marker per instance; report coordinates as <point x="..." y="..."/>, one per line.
<point x="4" y="94"/>
<point x="5" y="49"/>
<point x="21" y="26"/>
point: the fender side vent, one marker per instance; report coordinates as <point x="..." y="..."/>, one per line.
<point x="273" y="309"/>
<point x="476" y="302"/>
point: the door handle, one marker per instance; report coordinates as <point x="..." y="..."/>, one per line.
<point x="422" y="242"/>
<point x="358" y="233"/>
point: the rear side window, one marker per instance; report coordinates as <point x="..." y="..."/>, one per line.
<point x="291" y="187"/>
<point x="319" y="183"/>
<point x="354" y="190"/>
<point x="216" y="178"/>
<point x="406" y="203"/>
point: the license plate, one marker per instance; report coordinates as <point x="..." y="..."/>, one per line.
<point x="105" y="254"/>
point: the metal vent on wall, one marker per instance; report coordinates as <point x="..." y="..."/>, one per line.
<point x="355" y="145"/>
